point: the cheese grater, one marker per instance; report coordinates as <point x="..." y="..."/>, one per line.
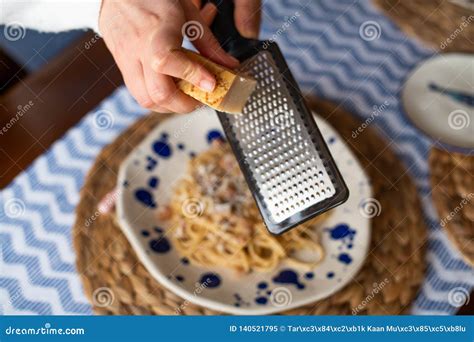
<point x="280" y="150"/>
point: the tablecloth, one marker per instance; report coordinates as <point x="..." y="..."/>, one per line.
<point x="345" y="51"/>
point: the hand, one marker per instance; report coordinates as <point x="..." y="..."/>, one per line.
<point x="247" y="16"/>
<point x="145" y="40"/>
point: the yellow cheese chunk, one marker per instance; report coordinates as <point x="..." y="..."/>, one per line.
<point x="231" y="92"/>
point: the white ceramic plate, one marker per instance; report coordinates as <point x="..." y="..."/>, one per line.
<point x="439" y="98"/>
<point x="145" y="182"/>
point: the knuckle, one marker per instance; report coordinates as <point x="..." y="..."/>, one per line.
<point x="175" y="12"/>
<point x="189" y="71"/>
<point x="145" y="102"/>
<point x="161" y="96"/>
<point x="150" y="19"/>
<point x="161" y="60"/>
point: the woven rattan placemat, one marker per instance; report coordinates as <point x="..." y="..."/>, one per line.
<point x="441" y="24"/>
<point x="452" y="182"/>
<point x="448" y="28"/>
<point x="117" y="283"/>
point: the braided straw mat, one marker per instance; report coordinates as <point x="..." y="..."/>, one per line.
<point x="439" y="23"/>
<point x="435" y="21"/>
<point x="396" y="257"/>
<point x="452" y="181"/>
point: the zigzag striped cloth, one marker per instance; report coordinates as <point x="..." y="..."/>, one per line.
<point x="345" y="51"/>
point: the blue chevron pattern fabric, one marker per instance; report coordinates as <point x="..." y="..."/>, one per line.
<point x="345" y="51"/>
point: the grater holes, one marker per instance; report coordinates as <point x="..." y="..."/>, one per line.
<point x="276" y="151"/>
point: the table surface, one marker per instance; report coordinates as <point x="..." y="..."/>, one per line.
<point x="60" y="93"/>
<point x="329" y="57"/>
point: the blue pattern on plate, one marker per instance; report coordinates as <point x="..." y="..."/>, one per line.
<point x="214" y="134"/>
<point x="151" y="163"/>
<point x="342" y="233"/>
<point x="212" y="280"/>
<point x="145" y="197"/>
<point x="344" y="258"/>
<point x="290" y="277"/>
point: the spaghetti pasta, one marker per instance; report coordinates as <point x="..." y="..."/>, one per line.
<point x="215" y="221"/>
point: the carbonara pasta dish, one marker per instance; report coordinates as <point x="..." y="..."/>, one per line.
<point x="214" y="220"/>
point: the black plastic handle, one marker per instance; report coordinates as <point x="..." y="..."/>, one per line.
<point x="225" y="30"/>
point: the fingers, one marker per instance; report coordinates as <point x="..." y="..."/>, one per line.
<point x="161" y="110"/>
<point x="150" y="78"/>
<point x="247" y="17"/>
<point x="163" y="58"/>
<point x="145" y="94"/>
<point x="132" y="73"/>
<point x="208" y="13"/>
<point x="207" y="44"/>
<point x="163" y="92"/>
<point x="166" y="57"/>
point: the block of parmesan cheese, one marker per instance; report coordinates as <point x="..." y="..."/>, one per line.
<point x="231" y="92"/>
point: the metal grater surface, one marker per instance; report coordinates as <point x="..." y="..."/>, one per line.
<point x="280" y="150"/>
<point x="280" y="155"/>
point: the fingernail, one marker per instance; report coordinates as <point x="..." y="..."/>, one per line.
<point x="249" y="34"/>
<point x="250" y="29"/>
<point x="207" y="85"/>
